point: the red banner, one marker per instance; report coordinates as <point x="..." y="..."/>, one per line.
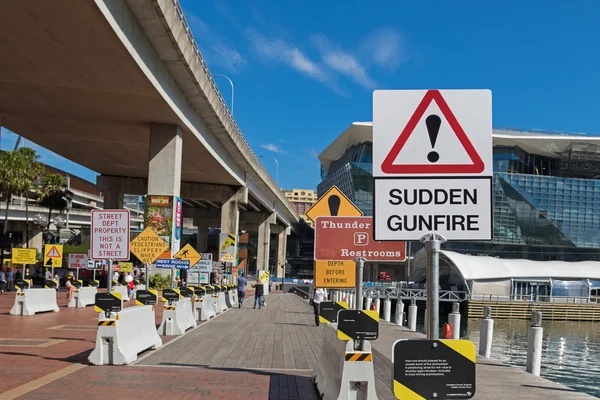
<point x="347" y="238"/>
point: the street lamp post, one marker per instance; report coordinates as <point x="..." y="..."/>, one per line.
<point x="232" y="89"/>
<point x="276" y="168"/>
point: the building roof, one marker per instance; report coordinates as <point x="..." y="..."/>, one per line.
<point x="485" y="267"/>
<point x="535" y="142"/>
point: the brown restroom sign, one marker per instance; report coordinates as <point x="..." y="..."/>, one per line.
<point x="328" y="311"/>
<point x="432" y="164"/>
<point x="334" y="203"/>
<point x="433" y="369"/>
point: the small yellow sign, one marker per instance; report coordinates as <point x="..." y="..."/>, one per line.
<point x="335" y="274"/>
<point x="147" y="246"/>
<point x="188" y="253"/>
<point x="126" y="266"/>
<point x="334" y="203"/>
<point x="24" y="256"/>
<point x="53" y="255"/>
<point x="227" y="257"/>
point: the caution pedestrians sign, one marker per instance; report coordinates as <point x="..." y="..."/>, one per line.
<point x="428" y="369"/>
<point x="432" y="164"/>
<point x="358" y="325"/>
<point x="328" y="311"/>
<point x="334" y="203"/>
<point x="53" y="255"/>
<point x="147" y="246"/>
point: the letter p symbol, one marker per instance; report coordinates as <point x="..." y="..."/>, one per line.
<point x="361" y="238"/>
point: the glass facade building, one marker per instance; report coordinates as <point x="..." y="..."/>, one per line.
<point x="546" y="206"/>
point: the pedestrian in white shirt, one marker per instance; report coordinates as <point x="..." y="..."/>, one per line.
<point x="319" y="296"/>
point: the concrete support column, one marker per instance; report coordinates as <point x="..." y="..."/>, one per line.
<point x="230" y="211"/>
<point x="202" y="238"/>
<point x="264" y="241"/>
<point x="165" y="156"/>
<point x="282" y="251"/>
<point x="113" y="199"/>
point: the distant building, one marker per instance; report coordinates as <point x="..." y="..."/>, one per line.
<point x="302" y="200"/>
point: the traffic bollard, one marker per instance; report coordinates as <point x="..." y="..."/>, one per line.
<point x="412" y="316"/>
<point x="534" y="344"/>
<point x="486" y="333"/>
<point x="400" y="313"/>
<point x="387" y="310"/>
<point x="454" y="320"/>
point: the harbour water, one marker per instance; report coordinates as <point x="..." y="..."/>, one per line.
<point x="571" y="350"/>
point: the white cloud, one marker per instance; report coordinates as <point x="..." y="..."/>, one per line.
<point x="214" y="49"/>
<point x="343" y="62"/>
<point x="280" y="50"/>
<point x="273" y="147"/>
<point x="385" y="47"/>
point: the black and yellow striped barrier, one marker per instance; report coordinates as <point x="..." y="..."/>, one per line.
<point x="359" y="357"/>
<point x="328" y="311"/>
<point x="107" y="323"/>
<point x="358" y="325"/>
<point x="426" y="369"/>
<point x="108" y="302"/>
<point x="169" y="308"/>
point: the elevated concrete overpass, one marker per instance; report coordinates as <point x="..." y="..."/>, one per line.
<point x="120" y="87"/>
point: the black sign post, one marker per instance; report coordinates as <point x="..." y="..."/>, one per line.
<point x="200" y="290"/>
<point x="22" y="284"/>
<point x="50" y="284"/>
<point x="146" y="297"/>
<point x="107" y="303"/>
<point x="170" y="295"/>
<point x="187" y="292"/>
<point x="443" y="369"/>
<point x="358" y="325"/>
<point x="328" y="311"/>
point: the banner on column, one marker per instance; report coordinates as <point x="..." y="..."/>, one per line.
<point x="163" y="215"/>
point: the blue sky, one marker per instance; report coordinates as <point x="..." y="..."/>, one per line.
<point x="305" y="70"/>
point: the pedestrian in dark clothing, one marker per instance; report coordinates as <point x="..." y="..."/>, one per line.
<point x="241" y="289"/>
<point x="259" y="291"/>
<point x="10" y="280"/>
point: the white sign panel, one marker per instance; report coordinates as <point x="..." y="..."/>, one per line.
<point x="204" y="264"/>
<point x="78" y="260"/>
<point x="432" y="133"/>
<point x="204" y="277"/>
<point x="110" y="235"/>
<point x="458" y="209"/>
<point x="432" y="164"/>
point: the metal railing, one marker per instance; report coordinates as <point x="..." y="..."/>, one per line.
<point x="535" y="298"/>
<point x="236" y="135"/>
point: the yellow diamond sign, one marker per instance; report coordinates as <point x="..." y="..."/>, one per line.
<point x="334" y="203"/>
<point x="187" y="252"/>
<point x="227" y="257"/>
<point x="147" y="246"/>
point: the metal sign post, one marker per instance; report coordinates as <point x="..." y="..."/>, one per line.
<point x="433" y="242"/>
<point x="109" y="277"/>
<point x="147" y="278"/>
<point x="360" y="267"/>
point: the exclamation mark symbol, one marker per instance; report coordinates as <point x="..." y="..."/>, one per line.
<point x="334" y="204"/>
<point x="433" y="123"/>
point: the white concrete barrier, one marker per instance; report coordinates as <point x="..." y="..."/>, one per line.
<point x="177" y="318"/>
<point x="221" y="302"/>
<point x="123" y="291"/>
<point x="124" y="335"/>
<point x="227" y="297"/>
<point x="203" y="308"/>
<point x="343" y="373"/>
<point x="236" y="300"/>
<point x="215" y="304"/>
<point x="83" y="297"/>
<point x="32" y="301"/>
<point x="231" y="298"/>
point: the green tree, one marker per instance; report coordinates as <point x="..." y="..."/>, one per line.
<point x="54" y="194"/>
<point x="18" y="171"/>
<point x="33" y="171"/>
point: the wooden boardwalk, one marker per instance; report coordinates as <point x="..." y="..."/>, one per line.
<point x="282" y="336"/>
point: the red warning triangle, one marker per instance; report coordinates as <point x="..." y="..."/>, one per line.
<point x="53" y="253"/>
<point x="476" y="166"/>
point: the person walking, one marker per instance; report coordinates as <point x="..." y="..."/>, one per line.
<point x="10" y="280"/>
<point x="130" y="285"/>
<point x="319" y="296"/>
<point x="116" y="278"/>
<point x="69" y="285"/>
<point x="259" y="291"/>
<point x="241" y="289"/>
<point x="2" y="281"/>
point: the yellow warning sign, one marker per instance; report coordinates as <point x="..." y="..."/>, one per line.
<point x="227" y="257"/>
<point x="53" y="255"/>
<point x="335" y="274"/>
<point x="23" y="256"/>
<point x="126" y="266"/>
<point x="334" y="203"/>
<point x="187" y="252"/>
<point x="147" y="246"/>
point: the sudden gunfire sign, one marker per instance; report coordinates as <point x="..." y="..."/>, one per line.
<point x="458" y="209"/>
<point x="432" y="164"/>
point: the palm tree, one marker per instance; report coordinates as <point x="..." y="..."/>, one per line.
<point x="14" y="179"/>
<point x="33" y="169"/>
<point x="54" y="194"/>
